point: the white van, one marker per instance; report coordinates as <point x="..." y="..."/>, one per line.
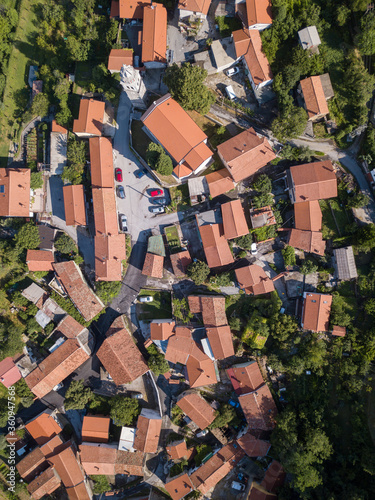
<point x="230" y="93"/>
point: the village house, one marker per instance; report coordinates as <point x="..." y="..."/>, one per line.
<point x="90" y="119"/>
<point x="309" y="39"/>
<point x="95" y="428"/>
<point x="212" y="308"/>
<point x="45" y="484"/>
<point x="154" y="36"/>
<point x="234" y="221"/>
<point x="195" y="8"/>
<point x="345" y="263"/>
<point x="252" y="446"/>
<point x="316" y="311"/>
<point x="308" y="241"/>
<point x="46" y="236"/>
<point x="312" y="181"/>
<point x="220" y="342"/>
<point x="211" y="233"/>
<point x="315" y="91"/>
<point x="161" y="329"/>
<point x="180" y="262"/>
<point x="39" y="260"/>
<point x="200" y="368"/>
<point x="9" y="373"/>
<point x="261" y="217"/>
<point x="308" y="216"/>
<point x="101" y="162"/>
<point x="124" y="9"/>
<point x="153" y="265"/>
<point x="219" y="182"/>
<point x="15" y="192"/>
<point x="179" y="487"/>
<point x="107" y="460"/>
<point x="272" y="482"/>
<point x="44" y="427"/>
<point x="255" y="14"/>
<point x="197" y="409"/>
<point x="147" y="433"/>
<point x="74" y="205"/>
<point x="177" y="450"/>
<point x="338" y="331"/>
<point x="117" y="58"/>
<point x="253" y="280"/>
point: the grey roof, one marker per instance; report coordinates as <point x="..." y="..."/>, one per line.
<point x="309" y="37"/>
<point x="209" y="217"/>
<point x="156" y="245"/>
<point x="33" y="293"/>
<point x="345" y="263"/>
<point x="42" y="319"/>
<point x="198" y="186"/>
<point x="223" y="52"/>
<point x="327" y="86"/>
<point x="47" y="236"/>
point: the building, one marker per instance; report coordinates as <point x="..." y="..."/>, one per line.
<point x="195" y="8"/>
<point x="69" y="327"/>
<point x="197" y="409"/>
<point x="9" y="373"/>
<point x="179" y="487"/>
<point x="234" y="221"/>
<point x="345" y="263"/>
<point x="105" y="459"/>
<point x="46" y="236"/>
<point x="148" y="431"/>
<point x="179" y="347"/>
<point x="105" y="214"/>
<point x="220" y="341"/>
<point x="212" y="308"/>
<point x="252" y="446"/>
<point x="71" y="474"/>
<point x="200" y="368"/>
<point x="219" y="182"/>
<point x="261" y="217"/>
<point x="153" y="265"/>
<point x="101" y="163"/>
<point x="274" y="477"/>
<point x="74" y="205"/>
<point x="90" y="119"/>
<point x="168" y="124"/>
<point x="119" y="57"/>
<point x="45" y="484"/>
<point x="259" y="408"/>
<point x="316" y="312"/>
<point x="95" y="429"/>
<point x="245" y="154"/>
<point x="177" y="449"/>
<point x="315" y="101"/>
<point x="309" y="241"/>
<point x="245" y="377"/>
<point x="128" y="10"/>
<point x="110" y="251"/>
<point x="255" y="14"/>
<point x="338" y="331"/>
<point x="39" y="260"/>
<point x="253" y="280"/>
<point x="198" y="190"/>
<point x="312" y="181"/>
<point x="162" y="329"/>
<point x="132" y="83"/>
<point x="309" y="39"/>
<point x="44" y="427"/>
<point x="308" y="216"/>
<point x="126" y="442"/>
<point x="223" y="53"/>
<point x="180" y="262"/>
<point x="14" y="192"/>
<point x="215" y="245"/>
<point x="154" y="36"/>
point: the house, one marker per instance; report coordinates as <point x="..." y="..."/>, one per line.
<point x="315" y="101"/>
<point x="245" y="377"/>
<point x="32" y="465"/>
<point x="117" y="58"/>
<point x="212" y="308"/>
<point x="125" y="9"/>
<point x="253" y="280"/>
<point x="338" y="331"/>
<point x="219" y="182"/>
<point x="198" y="190"/>
<point x="129" y="463"/>
<point x="221" y="343"/>
<point x="234" y="221"/>
<point x="180" y="262"/>
<point x="312" y="181"/>
<point x="71" y="474"/>
<point x="44" y="484"/>
<point x="168" y="124"/>
<point x="274" y="477"/>
<point x="197" y="409"/>
<point x="212" y="237"/>
<point x="161" y="329"/>
<point x="259" y="408"/>
<point x="54" y="446"/>
<point x="308" y="216"/>
<point x="14" y="192"/>
<point x="90" y="119"/>
<point x="46" y="236"/>
<point x="258" y="493"/>
<point x="245" y="154"/>
<point x="110" y="251"/>
<point x="95" y="429"/>
<point x="252" y="446"/>
<point x="120" y="356"/>
<point x="309" y="39"/>
<point x="309" y="241"/>
<point x="345" y="263"/>
<point x="153" y="265"/>
<point x="69" y="327"/>
<point x="195" y="8"/>
<point x="74" y="284"/>
<point x="105" y="213"/>
<point x="179" y="487"/>
<point x="154" y="36"/>
<point x="74" y="205"/>
<point x="255" y="14"/>
<point x="148" y="431"/>
<point x="126" y="442"/>
<point x="261" y="217"/>
<point x="105" y="459"/>
<point x="316" y="312"/>
<point x="179" y="347"/>
<point x="200" y="369"/>
<point x="101" y="163"/>
<point x="223" y="53"/>
<point x="44" y="427"/>
<point x="177" y="449"/>
<point x="9" y="373"/>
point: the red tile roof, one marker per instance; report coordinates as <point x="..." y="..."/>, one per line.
<point x="39" y="260"/>
<point x="201" y="6"/>
<point x="98" y="459"/>
<point x="245" y="377"/>
<point x="314" y="181"/>
<point x="308" y="216"/>
<point x="212" y="308"/>
<point x="118" y="57"/>
<point x="58" y="128"/>
<point x="70" y="472"/>
<point x="252" y="446"/>
<point x="32" y="465"/>
<point x="130" y="463"/>
<point x="180" y="262"/>
<point x="179" y="487"/>
<point x="101" y="162"/>
<point x="82" y="296"/>
<point x="147" y="433"/>
<point x="179" y="348"/>
<point x="69" y="327"/>
<point x="177" y="450"/>
<point x="197" y="409"/>
<point x="313" y="95"/>
<point x="234" y="221"/>
<point x="110" y="251"/>
<point x="259" y="408"/>
<point x="153" y="265"/>
<point x="54" y="446"/>
<point x="258" y="12"/>
<point x="45" y="484"/>
<point x="254" y="280"/>
<point x="219" y="182"/>
<point x="258" y="493"/>
<point x="105" y="213"/>
<point x="256" y="60"/>
<point x="161" y="329"/>
<point x="74" y="204"/>
<point x="131" y="9"/>
<point x="215" y="245"/>
<point x="154" y="33"/>
<point x="308" y="241"/>
<point x="43" y="428"/>
<point x="316" y="311"/>
<point x="274" y="478"/>
<point x="200" y="368"/>
<point x="15" y="198"/>
<point x="221" y="342"/>
<point x="120" y="356"/>
<point x="95" y="428"/>
<point x="338" y="331"/>
<point x="9" y="373"/>
<point x="90" y="118"/>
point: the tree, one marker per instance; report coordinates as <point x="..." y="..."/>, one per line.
<point x="235" y="323"/>
<point x="202" y="451"/>
<point x="65" y="245"/>
<point x="76" y="155"/>
<point x="263" y="184"/>
<point x="36" y="180"/>
<point x="77" y="396"/>
<point x="365" y="237"/>
<point x="291" y="124"/>
<point x="124" y="410"/>
<point x="370" y="307"/>
<point x="283" y="327"/>
<point x="244" y="241"/>
<point x="23" y="392"/>
<point x="28" y="237"/>
<point x="107" y="290"/>
<point x="366" y="39"/>
<point x="198" y="271"/>
<point x="153" y="153"/>
<point x="308" y="267"/>
<point x="157" y="362"/>
<point x="181" y="310"/>
<point x="262" y="200"/>
<point x="289" y="256"/>
<point x="359" y="200"/>
<point x="226" y="414"/>
<point x="164" y="165"/>
<point x="40" y="105"/>
<point x="77" y="50"/>
<point x="186" y="85"/>
<point x="101" y="484"/>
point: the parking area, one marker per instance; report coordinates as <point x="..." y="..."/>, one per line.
<point x="240" y="84"/>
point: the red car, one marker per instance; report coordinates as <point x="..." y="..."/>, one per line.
<point x="118" y="174"/>
<point x="156" y="192"/>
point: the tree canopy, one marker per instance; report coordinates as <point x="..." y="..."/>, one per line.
<point x="198" y="272"/>
<point x="77" y="396"/>
<point x="28" y="237"/>
<point x="124" y="410"/>
<point x="158" y="159"/>
<point x="65" y="244"/>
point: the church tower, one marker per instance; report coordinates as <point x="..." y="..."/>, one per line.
<point x="132" y="83"/>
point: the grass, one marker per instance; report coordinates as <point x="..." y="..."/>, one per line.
<point x="210" y="128"/>
<point x="83" y="74"/>
<point x="160" y="308"/>
<point x="128" y="248"/>
<point x="332" y="229"/>
<point x="173" y="239"/>
<point x="227" y="25"/>
<point x="180" y="199"/>
<point x="140" y="139"/>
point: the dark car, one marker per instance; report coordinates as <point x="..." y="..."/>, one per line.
<point x="159" y="201"/>
<point x="140" y="173"/>
<point x="120" y="192"/>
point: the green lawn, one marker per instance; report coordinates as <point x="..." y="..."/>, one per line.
<point x="332" y="229"/>
<point x="83" y="75"/>
<point x="173" y="239"/>
<point x="180" y="199"/>
<point x="160" y="308"/>
<point x="140" y="140"/>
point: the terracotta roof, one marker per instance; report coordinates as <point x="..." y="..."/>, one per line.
<point x="98" y="459"/>
<point x="215" y="245"/>
<point x="177" y="133"/>
<point x="256" y="60"/>
<point x="78" y="492"/>
<point x="316" y="311"/>
<point x="259" y="408"/>
<point x="245" y="153"/>
<point x="14" y="192"/>
<point x="308" y="216"/>
<point x="69" y="327"/>
<point x="130" y="463"/>
<point x="110" y="251"/>
<point x="147" y="433"/>
<point x="45" y="484"/>
<point x="245" y="377"/>
<point x="9" y="373"/>
<point x="252" y="446"/>
<point x="258" y="493"/>
<point x="261" y="217"/>
<point x="118" y="57"/>
<point x="105" y="212"/>
<point x="180" y="262"/>
<point x="82" y="296"/>
<point x="90" y="118"/>
<point x="58" y="128"/>
<point x="177" y="450"/>
<point x="314" y="181"/>
<point x="39" y="260"/>
<point x="197" y="409"/>
<point x="56" y="367"/>
<point x="201" y="6"/>
<point x="274" y="478"/>
<point x="179" y="348"/>
<point x="161" y="329"/>
<point x="179" y="487"/>
<point x="154" y="33"/>
<point x="216" y="468"/>
<point x="43" y="428"/>
<point x="221" y="342"/>
<point x="234" y="221"/>
<point x="32" y="465"/>
<point x="338" y="331"/>
<point x="200" y="368"/>
<point x="121" y="357"/>
<point x="212" y="308"/>
<point x="313" y="95"/>
<point x="258" y="12"/>
<point x="308" y="241"/>
<point x="254" y="280"/>
<point x="54" y="446"/>
<point x="132" y="9"/>
<point x="68" y="469"/>
<point x="241" y="41"/>
<point x="153" y="265"/>
<point x="101" y="162"/>
<point x="219" y="182"/>
<point x="95" y="428"/>
<point x="74" y="205"/>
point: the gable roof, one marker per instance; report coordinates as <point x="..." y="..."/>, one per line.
<point x="221" y="342"/>
<point x="95" y="428"/>
<point x="212" y="308"/>
<point x="259" y="408"/>
<point x="215" y="246"/>
<point x="9" y="373"/>
<point x="132" y="9"/>
<point x="39" y="260"/>
<point x="32" y="464"/>
<point x="308" y="216"/>
<point x="43" y="427"/>
<point x="54" y="446"/>
<point x="118" y="57"/>
<point x="69" y="327"/>
<point x="197" y="409"/>
<point x="179" y="487"/>
<point x="105" y="213"/>
<point x="313" y="95"/>
<point x="153" y="265"/>
<point x="69" y="471"/>
<point x="314" y="181"/>
<point x="180" y="262"/>
<point x="98" y="459"/>
<point x="200" y="368"/>
<point x="15" y="195"/>
<point x="130" y="463"/>
<point x="258" y="12"/>
<point x="120" y="356"/>
<point x="254" y="280"/>
<point x="109" y="254"/>
<point x="256" y="60"/>
<point x="161" y="329"/>
<point x="147" y="432"/>
<point x="58" y="128"/>
<point x="154" y="33"/>
<point x="252" y="446"/>
<point x="274" y="477"/>
<point x="74" y="205"/>
<point x="201" y="6"/>
<point x="258" y="493"/>
<point x="245" y="377"/>
<point x="219" y="182"/>
<point x="101" y="162"/>
<point x="234" y="221"/>
<point x="263" y="216"/>
<point x="309" y="37"/>
<point x="245" y="153"/>
<point x="47" y="237"/>
<point x="177" y="450"/>
<point x="345" y="263"/>
<point x="90" y="118"/>
<point x="44" y="484"/>
<point x="179" y="348"/>
<point x="309" y="241"/>
<point x="338" y="331"/>
<point x="316" y="311"/>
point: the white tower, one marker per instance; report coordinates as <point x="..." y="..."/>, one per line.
<point x="132" y="83"/>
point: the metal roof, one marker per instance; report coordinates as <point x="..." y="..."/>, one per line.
<point x="345" y="263"/>
<point x="156" y="245"/>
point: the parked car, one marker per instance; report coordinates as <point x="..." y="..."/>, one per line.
<point x="232" y="71"/>
<point x="140" y="173"/>
<point x="159" y="201"/>
<point x="156" y="192"/>
<point x="230" y="93"/>
<point x="123" y="223"/>
<point x="120" y="192"/>
<point x="118" y="174"/>
<point x="146" y="298"/>
<point x="237" y="486"/>
<point x="136" y="395"/>
<point x="254" y="249"/>
<point x="234" y="403"/>
<point x="157" y="210"/>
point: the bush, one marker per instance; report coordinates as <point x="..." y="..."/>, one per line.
<point x="157" y="158"/>
<point x="308" y="267"/>
<point x="101" y="484"/>
<point x="244" y="241"/>
<point x="36" y="180"/>
<point x="202" y="451"/>
<point x="181" y="310"/>
<point x="28" y="237"/>
<point x="77" y="396"/>
<point x="65" y="245"/>
<point x="289" y="256"/>
<point x="198" y="272"/>
<point x="157" y="362"/>
<point x="107" y="290"/>
<point x="124" y="410"/>
<point x="226" y="414"/>
<point x="263" y="184"/>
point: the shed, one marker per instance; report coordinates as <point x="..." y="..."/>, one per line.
<point x="198" y="189"/>
<point x="345" y="263"/>
<point x="156" y="245"/>
<point x="327" y="86"/>
<point x="309" y="38"/>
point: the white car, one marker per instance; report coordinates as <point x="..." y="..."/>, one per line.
<point x="123" y="223"/>
<point x="146" y="298"/>
<point x="157" y="210"/>
<point x="232" y="71"/>
<point x="254" y="249"/>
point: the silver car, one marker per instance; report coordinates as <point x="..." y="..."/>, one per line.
<point x="123" y="223"/>
<point x="157" y="210"/>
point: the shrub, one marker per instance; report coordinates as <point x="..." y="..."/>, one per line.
<point x="289" y="256"/>
<point x="198" y="272"/>
<point x="244" y="241"/>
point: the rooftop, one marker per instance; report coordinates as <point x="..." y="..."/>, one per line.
<point x="215" y="245"/>
<point x="105" y="214"/>
<point x="313" y="95"/>
<point x="200" y="368"/>
<point x="148" y="431"/>
<point x="177" y="450"/>
<point x="212" y="308"/>
<point x="179" y="348"/>
<point x="197" y="409"/>
<point x="39" y="260"/>
<point x="95" y="428"/>
<point x="252" y="446"/>
<point x="161" y="329"/>
<point x="345" y="263"/>
<point x="309" y="241"/>
<point x="118" y="57"/>
<point x="201" y="6"/>
<point x="155" y="244"/>
<point x="101" y="162"/>
<point x="274" y="478"/>
<point x="90" y="118"/>
<point x="47" y="237"/>
<point x="314" y="181"/>
<point x="258" y="12"/>
<point x="74" y="205"/>
<point x="234" y="221"/>
<point x="69" y="327"/>
<point x="316" y="312"/>
<point x="245" y="377"/>
<point x="219" y="182"/>
<point x="43" y="427"/>
<point x="179" y="487"/>
<point x="44" y="484"/>
<point x="14" y="192"/>
<point x="9" y="373"/>
<point x="308" y="216"/>
<point x="309" y="37"/>
<point x="259" y="408"/>
<point x="180" y="262"/>
<point x="221" y="342"/>
<point x="262" y="217"/>
<point x="154" y="33"/>
<point x="131" y="9"/>
<point x="153" y="265"/>
<point x="256" y="60"/>
<point x="254" y="280"/>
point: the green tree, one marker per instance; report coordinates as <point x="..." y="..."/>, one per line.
<point x="235" y="323"/>
<point x="244" y="241"/>
<point x="157" y="362"/>
<point x="124" y="410"/>
<point x="186" y="85"/>
<point x="263" y="184"/>
<point x="36" y="180"/>
<point x="153" y="153"/>
<point x="365" y="237"/>
<point x="28" y="237"/>
<point x="291" y="124"/>
<point x="308" y="267"/>
<point x="78" y="50"/>
<point x="283" y="327"/>
<point x="76" y="155"/>
<point x="226" y="414"/>
<point x="23" y="392"/>
<point x="101" y="484"/>
<point x="40" y="105"/>
<point x="262" y="200"/>
<point x="107" y="290"/>
<point x="181" y="310"/>
<point x="370" y="307"/>
<point x="366" y="39"/>
<point x="164" y="165"/>
<point x="77" y="396"/>
<point x="359" y="200"/>
<point x="198" y="272"/>
<point x="289" y="256"/>
<point x="202" y="451"/>
<point x="65" y="245"/>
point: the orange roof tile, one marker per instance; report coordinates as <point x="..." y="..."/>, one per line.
<point x="219" y="182"/>
<point x="74" y="205"/>
<point x="309" y="241"/>
<point x="212" y="308"/>
<point x="132" y="9"/>
<point x="308" y="216"/>
<point x="197" y="409"/>
<point x="39" y="260"/>
<point x="161" y="329"/>
<point x="105" y="212"/>
<point x="201" y="6"/>
<point x="95" y="428"/>
<point x="178" y="348"/>
<point x="256" y="60"/>
<point x="258" y="493"/>
<point x="9" y="373"/>
<point x="177" y="450"/>
<point x="316" y="312"/>
<point x="200" y="368"/>
<point x="154" y="33"/>
<point x="254" y="280"/>
<point x="90" y="118"/>
<point x="78" y="492"/>
<point x="101" y="162"/>
<point x="69" y="327"/>
<point x="179" y="487"/>
<point x="58" y="128"/>
<point x="32" y="465"/>
<point x="338" y="331"/>
<point x="274" y="478"/>
<point x="221" y="342"/>
<point x="98" y="459"/>
<point x="130" y="463"/>
<point x="252" y="446"/>
<point x="234" y="221"/>
<point x="215" y="246"/>
<point x="313" y="95"/>
<point x="180" y="262"/>
<point x="110" y="251"/>
<point x="241" y="41"/>
<point x="259" y="408"/>
<point x="45" y="484"/>
<point x="14" y="192"/>
<point x="153" y="265"/>
<point x="258" y="12"/>
<point x="54" y="446"/>
<point x="43" y="428"/>
<point x="118" y="57"/>
<point x="68" y="468"/>
<point x="314" y="181"/>
<point x="147" y="433"/>
<point x="245" y="377"/>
